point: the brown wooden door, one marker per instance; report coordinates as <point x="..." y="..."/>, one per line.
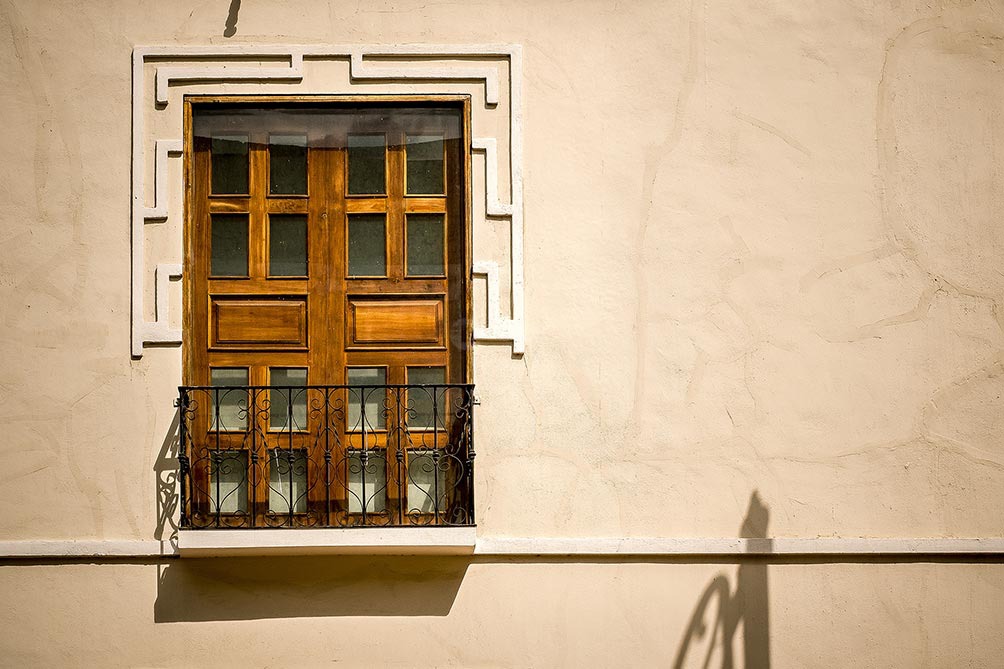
<point x="327" y="245"/>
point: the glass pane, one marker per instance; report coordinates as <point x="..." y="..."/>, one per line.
<point x="367" y="245"/>
<point x="367" y="484"/>
<point x="230" y="405"/>
<point x="287" y="245"/>
<point x="425" y="245"/>
<point x="427" y="480"/>
<point x="367" y="173"/>
<point x="229" y="254"/>
<point x="229" y="482"/>
<point x="425" y="165"/>
<point x="287" y="480"/>
<point x="287" y="408"/>
<point x="424" y="403"/>
<point x="367" y="400"/>
<point x="229" y="164"/>
<point x="287" y="164"/>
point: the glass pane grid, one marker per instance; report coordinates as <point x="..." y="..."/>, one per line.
<point x="427" y="406"/>
<point x="366" y="406"/>
<point x="367" y="483"/>
<point x="288" y="406"/>
<point x="287" y="245"/>
<point x="229" y="164"/>
<point x="287" y="164"/>
<point x="230" y="405"/>
<point x="425" y="174"/>
<point x="367" y="241"/>
<point x="426" y="244"/>
<point x="229" y="245"/>
<point x="229" y="481"/>
<point x="367" y="167"/>
<point x="287" y="480"/>
<point x="427" y="479"/>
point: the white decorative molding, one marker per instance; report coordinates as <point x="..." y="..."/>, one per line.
<point x="286" y="65"/>
<point x="735" y="547"/>
<point x="461" y="540"/>
<point x="332" y="541"/>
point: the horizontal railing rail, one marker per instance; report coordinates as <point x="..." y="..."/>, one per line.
<point x="326" y="456"/>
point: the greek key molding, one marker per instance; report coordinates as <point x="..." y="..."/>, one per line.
<point x="407" y="65"/>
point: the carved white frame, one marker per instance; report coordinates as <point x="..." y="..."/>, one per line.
<point x="229" y="64"/>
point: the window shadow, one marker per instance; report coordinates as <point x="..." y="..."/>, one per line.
<point x="747" y="606"/>
<point x="250" y="588"/>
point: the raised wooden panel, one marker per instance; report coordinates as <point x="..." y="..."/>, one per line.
<point x="397" y="321"/>
<point x="246" y="322"/>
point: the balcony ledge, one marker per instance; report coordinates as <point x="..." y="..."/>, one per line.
<point x="336" y="541"/>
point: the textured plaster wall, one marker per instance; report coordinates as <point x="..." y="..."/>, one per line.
<point x="356" y="613"/>
<point x="762" y="253"/>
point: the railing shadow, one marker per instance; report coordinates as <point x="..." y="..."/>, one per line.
<point x="165" y="469"/>
<point x="747" y="606"/>
<point x="249" y="588"/>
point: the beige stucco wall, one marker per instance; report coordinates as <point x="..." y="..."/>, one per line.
<point x="360" y="613"/>
<point x="763" y="253"/>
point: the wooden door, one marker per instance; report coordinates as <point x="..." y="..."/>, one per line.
<point x="327" y="245"/>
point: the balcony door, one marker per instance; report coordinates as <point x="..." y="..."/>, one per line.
<point x="327" y="275"/>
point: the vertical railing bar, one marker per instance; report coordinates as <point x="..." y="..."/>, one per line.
<point x="363" y="455"/>
<point x="435" y="450"/>
<point x="218" y="460"/>
<point x="183" y="454"/>
<point x="469" y="434"/>
<point x="327" y="457"/>
<point x="251" y="423"/>
<point x="401" y="428"/>
<point x="289" y="454"/>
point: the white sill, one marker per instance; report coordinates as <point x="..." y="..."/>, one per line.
<point x="335" y="541"/>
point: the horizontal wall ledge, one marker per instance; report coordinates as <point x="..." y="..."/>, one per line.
<point x="657" y="546"/>
<point x="337" y="541"/>
<point x="55" y="549"/>
<point x="463" y="541"/>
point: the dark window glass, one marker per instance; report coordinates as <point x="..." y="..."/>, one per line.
<point x="287" y="156"/>
<point x="367" y="170"/>
<point x="425" y="165"/>
<point x="229" y="254"/>
<point x="367" y="245"/>
<point x="287" y="245"/>
<point x="426" y="406"/>
<point x="425" y="244"/>
<point x="230" y="165"/>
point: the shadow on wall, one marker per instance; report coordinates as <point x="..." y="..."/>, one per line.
<point x="248" y="588"/>
<point x="747" y="605"/>
<point x="165" y="468"/>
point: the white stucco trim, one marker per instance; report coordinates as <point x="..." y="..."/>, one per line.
<point x="462" y="541"/>
<point x="725" y="546"/>
<point x="284" y="64"/>
<point x="336" y="541"/>
<point x="83" y="548"/>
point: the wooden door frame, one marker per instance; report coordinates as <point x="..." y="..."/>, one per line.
<point x="462" y="103"/>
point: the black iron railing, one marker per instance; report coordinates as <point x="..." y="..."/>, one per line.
<point x="326" y="456"/>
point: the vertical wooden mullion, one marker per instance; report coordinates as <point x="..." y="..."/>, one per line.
<point x="335" y="221"/>
<point x="257" y="271"/>
<point x="395" y="203"/>
<point x="258" y="223"/>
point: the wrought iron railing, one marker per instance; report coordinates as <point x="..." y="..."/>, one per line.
<point x="326" y="456"/>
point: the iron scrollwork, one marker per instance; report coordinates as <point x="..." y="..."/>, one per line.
<point x="326" y="456"/>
